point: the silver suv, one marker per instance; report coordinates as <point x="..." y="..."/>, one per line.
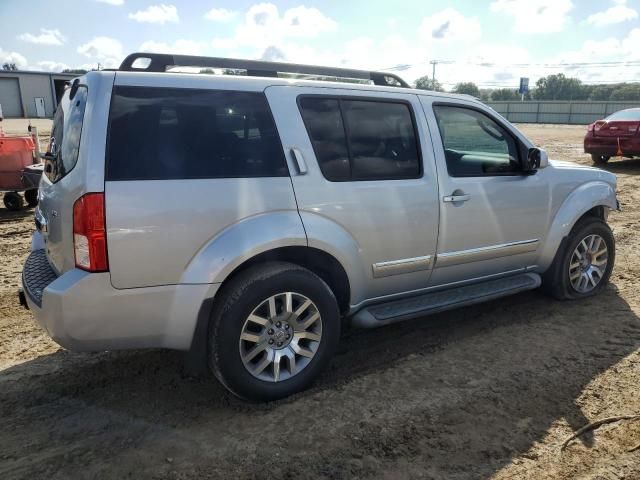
<point x="246" y="217"/>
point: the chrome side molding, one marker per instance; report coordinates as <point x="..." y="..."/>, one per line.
<point x="398" y="267"/>
<point x="486" y="253"/>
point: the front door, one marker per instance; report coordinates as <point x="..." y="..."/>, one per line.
<point x="493" y="217"/>
<point x="364" y="178"/>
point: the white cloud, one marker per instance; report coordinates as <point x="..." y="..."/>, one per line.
<point x="108" y="51"/>
<point x="220" y="15"/>
<point x="46" y="37"/>
<point x="160" y="14"/>
<point x="535" y="16"/>
<point x="51" y="66"/>
<point x="263" y="25"/>
<point x="449" y="24"/>
<point x="112" y="2"/>
<point x="602" y="50"/>
<point x="180" y="46"/>
<point x="619" y="13"/>
<point x="13" y="57"/>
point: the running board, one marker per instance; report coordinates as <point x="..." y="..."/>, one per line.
<point x="408" y="308"/>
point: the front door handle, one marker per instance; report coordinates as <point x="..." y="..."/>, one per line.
<point x="456" y="198"/>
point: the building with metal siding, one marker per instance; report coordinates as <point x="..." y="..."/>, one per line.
<point x="31" y="94"/>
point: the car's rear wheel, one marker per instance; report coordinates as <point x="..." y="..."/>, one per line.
<point x="13" y="201"/>
<point x="583" y="267"/>
<point x="599" y="159"/>
<point x="273" y="329"/>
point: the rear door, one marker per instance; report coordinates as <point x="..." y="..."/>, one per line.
<point x="367" y="170"/>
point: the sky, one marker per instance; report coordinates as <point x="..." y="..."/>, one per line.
<point x="492" y="43"/>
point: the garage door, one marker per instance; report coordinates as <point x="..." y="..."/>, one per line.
<point x="10" y="97"/>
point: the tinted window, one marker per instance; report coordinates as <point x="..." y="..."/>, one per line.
<point x="474" y="144"/>
<point x="324" y="123"/>
<point x="382" y="140"/>
<point x="360" y="139"/>
<point x="64" y="145"/>
<point x="162" y="133"/>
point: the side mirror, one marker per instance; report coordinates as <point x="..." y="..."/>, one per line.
<point x="537" y="159"/>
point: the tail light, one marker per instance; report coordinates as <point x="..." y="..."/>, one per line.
<point x="89" y="233"/>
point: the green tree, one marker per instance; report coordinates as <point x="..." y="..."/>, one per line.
<point x="601" y="92"/>
<point x="79" y="71"/>
<point x="560" y="87"/>
<point x="9" y="66"/>
<point x="627" y="92"/>
<point x="425" y="83"/>
<point x="467" y="88"/>
<point x="504" y="95"/>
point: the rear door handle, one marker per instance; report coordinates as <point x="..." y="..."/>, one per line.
<point x="456" y="198"/>
<point x="299" y="159"/>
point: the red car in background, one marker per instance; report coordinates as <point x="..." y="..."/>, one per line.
<point x="618" y="135"/>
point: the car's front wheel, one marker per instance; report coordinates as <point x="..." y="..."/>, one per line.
<point x="274" y="328"/>
<point x="584" y="265"/>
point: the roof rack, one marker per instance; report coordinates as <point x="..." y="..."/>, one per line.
<point x="160" y="62"/>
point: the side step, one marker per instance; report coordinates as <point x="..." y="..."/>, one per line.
<point x="407" y="308"/>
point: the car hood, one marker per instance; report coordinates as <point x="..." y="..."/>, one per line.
<point x="585" y="172"/>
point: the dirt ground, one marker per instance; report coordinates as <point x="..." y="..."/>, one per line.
<point x="489" y="391"/>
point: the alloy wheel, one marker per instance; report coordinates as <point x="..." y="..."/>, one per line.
<point x="280" y="337"/>
<point x="588" y="263"/>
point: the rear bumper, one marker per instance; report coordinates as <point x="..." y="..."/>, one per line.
<point x="82" y="311"/>
<point x="612" y="146"/>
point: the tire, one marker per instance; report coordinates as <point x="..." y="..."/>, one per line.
<point x="599" y="159"/>
<point x="562" y="281"/>
<point x="31" y="196"/>
<point x="230" y="357"/>
<point x="13" y="201"/>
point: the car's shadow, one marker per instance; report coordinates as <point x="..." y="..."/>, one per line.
<point x="463" y="392"/>
<point x="622" y="165"/>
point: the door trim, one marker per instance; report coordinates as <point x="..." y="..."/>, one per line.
<point x="398" y="267"/>
<point x="486" y="253"/>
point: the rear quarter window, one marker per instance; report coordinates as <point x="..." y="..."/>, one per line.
<point x="64" y="145"/>
<point x="168" y="133"/>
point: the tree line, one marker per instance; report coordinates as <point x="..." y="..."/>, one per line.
<point x="552" y="87"/>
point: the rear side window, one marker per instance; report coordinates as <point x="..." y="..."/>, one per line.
<point x="169" y="133"/>
<point x="64" y="145"/>
<point x="362" y="139"/>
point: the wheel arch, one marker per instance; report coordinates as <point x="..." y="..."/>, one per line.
<point x="593" y="199"/>
<point x="323" y="264"/>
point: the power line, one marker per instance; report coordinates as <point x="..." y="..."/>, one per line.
<point x="621" y="63"/>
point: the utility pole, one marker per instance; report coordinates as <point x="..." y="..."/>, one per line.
<point x="433" y="74"/>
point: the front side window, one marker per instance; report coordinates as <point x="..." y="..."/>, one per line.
<point x="64" y="145"/>
<point x="474" y="144"/>
<point x="172" y="133"/>
<point x="362" y="139"/>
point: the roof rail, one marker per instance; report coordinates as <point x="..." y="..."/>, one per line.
<point x="159" y="62"/>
